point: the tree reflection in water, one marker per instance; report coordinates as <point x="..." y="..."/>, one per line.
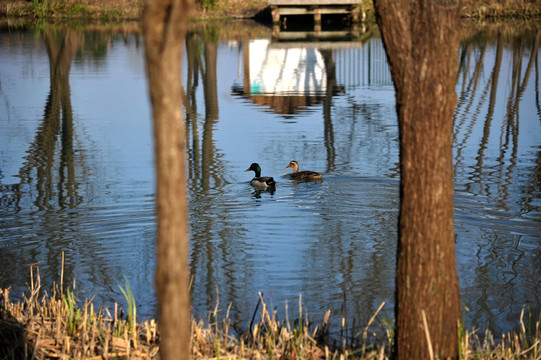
<point x="344" y="228"/>
<point x="206" y="176"/>
<point x="505" y="175"/>
<point x="56" y="127"/>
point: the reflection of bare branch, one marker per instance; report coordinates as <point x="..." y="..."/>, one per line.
<point x="190" y="106"/>
<point x="537" y="102"/>
<point x="478" y="69"/>
<point x="524" y="59"/>
<point x="510" y="129"/>
<point x="536" y="174"/>
<point x="531" y="62"/>
<point x="469" y="90"/>
<point x="330" y="69"/>
<point x="488" y="119"/>
<point x="534" y="186"/>
<point x="512" y="116"/>
<point x="205" y="169"/>
<point x="57" y="125"/>
<point x="205" y="172"/>
<point x="464" y="64"/>
<point x="211" y="166"/>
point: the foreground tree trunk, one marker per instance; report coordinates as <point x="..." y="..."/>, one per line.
<point x="421" y="41"/>
<point x="164" y="27"/>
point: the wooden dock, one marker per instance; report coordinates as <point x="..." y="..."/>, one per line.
<point x="316" y="8"/>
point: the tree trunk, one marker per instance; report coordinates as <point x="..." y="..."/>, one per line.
<point x="164" y="27"/>
<point x="421" y="40"/>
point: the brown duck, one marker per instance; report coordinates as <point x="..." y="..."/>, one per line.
<point x="302" y="175"/>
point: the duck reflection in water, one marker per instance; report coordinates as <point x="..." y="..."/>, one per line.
<point x="302" y="175"/>
<point x="257" y="193"/>
<point x="261" y="182"/>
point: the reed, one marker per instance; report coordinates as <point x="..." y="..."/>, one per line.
<point x="266" y="336"/>
<point x="42" y="326"/>
<point x="43" y="8"/>
<point x="73" y="315"/>
<point x="524" y="342"/>
<point x="132" y="307"/>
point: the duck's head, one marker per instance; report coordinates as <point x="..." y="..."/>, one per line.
<point x="254" y="167"/>
<point x="293" y="164"/>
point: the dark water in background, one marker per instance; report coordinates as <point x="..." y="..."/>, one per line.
<point x="76" y="171"/>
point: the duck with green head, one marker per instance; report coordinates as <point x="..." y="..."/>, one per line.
<point x="302" y="175"/>
<point x="260" y="182"/>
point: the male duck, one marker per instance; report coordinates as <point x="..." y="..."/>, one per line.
<point x="302" y="175"/>
<point x="261" y="182"/>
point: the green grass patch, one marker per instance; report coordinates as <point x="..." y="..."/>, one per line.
<point x="79" y="10"/>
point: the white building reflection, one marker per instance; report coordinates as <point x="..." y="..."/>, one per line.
<point x="291" y="76"/>
<point x="285" y="71"/>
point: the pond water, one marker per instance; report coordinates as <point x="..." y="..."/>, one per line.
<point x="77" y="175"/>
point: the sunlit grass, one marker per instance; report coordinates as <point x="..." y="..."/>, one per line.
<point x="131" y="10"/>
<point x="113" y="10"/>
<point x="42" y="326"/>
<point x="132" y="310"/>
<point x="73" y="315"/>
<point x="481" y="9"/>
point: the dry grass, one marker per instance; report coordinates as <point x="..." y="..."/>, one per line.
<point x="42" y="326"/>
<point x="482" y="9"/>
<point x="54" y="10"/>
<point x="119" y="10"/>
<point x="56" y="326"/>
<point x="230" y="9"/>
<point x="122" y="10"/>
<point x="274" y="339"/>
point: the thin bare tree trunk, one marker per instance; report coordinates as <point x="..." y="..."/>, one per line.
<point x="421" y="40"/>
<point x="164" y="27"/>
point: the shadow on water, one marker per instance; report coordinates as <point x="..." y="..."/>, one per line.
<point x="82" y="182"/>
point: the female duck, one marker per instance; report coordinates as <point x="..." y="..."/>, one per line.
<point x="261" y="182"/>
<point x="302" y="175"/>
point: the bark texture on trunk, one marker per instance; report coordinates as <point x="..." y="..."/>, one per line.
<point x="164" y="27"/>
<point x="421" y="39"/>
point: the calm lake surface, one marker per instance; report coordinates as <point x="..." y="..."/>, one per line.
<point x="77" y="175"/>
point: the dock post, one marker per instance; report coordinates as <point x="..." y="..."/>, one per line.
<point x="275" y="15"/>
<point x="317" y="16"/>
<point x="355" y="12"/>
